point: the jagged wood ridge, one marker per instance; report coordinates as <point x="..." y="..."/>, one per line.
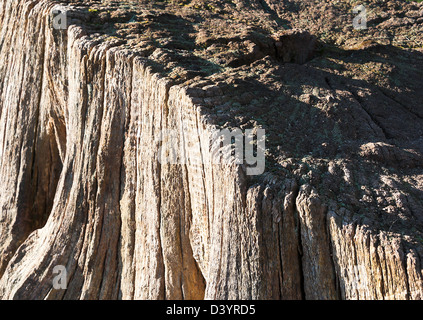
<point x="82" y="186"/>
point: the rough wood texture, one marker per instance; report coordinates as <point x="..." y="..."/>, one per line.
<point x="81" y="184"/>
